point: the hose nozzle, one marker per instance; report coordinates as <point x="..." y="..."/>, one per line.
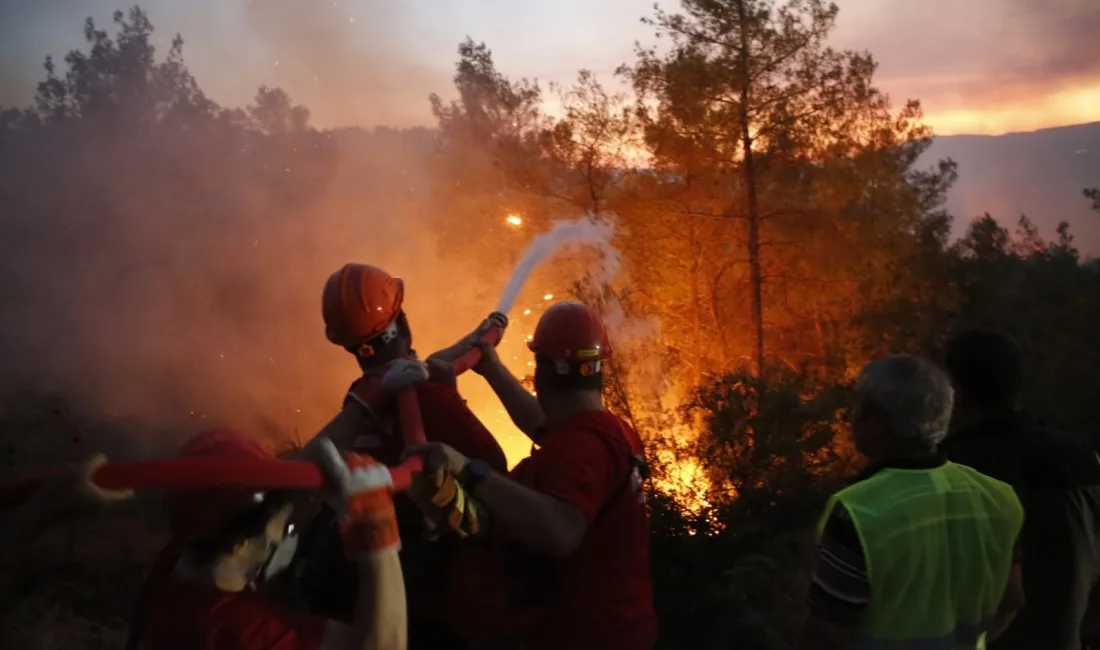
<point x="492" y="332"/>
<point x="499" y="319"/>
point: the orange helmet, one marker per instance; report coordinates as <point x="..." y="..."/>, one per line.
<point x="571" y="331"/>
<point x="193" y="512"/>
<point x="361" y="303"/>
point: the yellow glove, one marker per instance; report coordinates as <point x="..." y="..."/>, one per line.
<point x="445" y="504"/>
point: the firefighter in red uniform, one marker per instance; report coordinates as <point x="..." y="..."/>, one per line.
<point x="577" y="503"/>
<point x="362" y="309"/>
<point x="202" y="592"/>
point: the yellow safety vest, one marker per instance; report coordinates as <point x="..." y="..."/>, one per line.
<point x="938" y="549"/>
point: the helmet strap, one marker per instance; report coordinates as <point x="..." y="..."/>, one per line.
<point x="370" y="348"/>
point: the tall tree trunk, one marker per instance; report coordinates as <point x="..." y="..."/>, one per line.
<point x="756" y="278"/>
<point x="697" y="319"/>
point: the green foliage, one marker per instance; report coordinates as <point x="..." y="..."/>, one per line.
<point x="773" y="451"/>
<point x="762" y="440"/>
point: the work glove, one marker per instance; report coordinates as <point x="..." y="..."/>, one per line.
<point x="361" y="493"/>
<point x="375" y="391"/>
<point x="495" y="318"/>
<point x="476" y="339"/>
<point x="445" y="504"/>
<point x="403" y="373"/>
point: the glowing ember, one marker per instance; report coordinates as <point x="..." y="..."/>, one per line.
<point x="514" y="220"/>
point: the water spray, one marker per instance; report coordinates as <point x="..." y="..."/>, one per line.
<point x="581" y="231"/>
<point x="305" y="475"/>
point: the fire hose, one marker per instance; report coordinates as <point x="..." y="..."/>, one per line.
<point x="252" y="474"/>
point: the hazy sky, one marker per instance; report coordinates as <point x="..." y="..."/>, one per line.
<point x="979" y="66"/>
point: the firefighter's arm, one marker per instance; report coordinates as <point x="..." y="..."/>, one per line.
<point x="1011" y="604"/>
<point x="360" y="490"/>
<point x="466" y="343"/>
<point x="537" y="520"/>
<point x="380" y="616"/>
<point x="523" y="407"/>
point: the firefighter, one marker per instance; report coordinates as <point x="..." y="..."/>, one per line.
<point x="574" y="512"/>
<point x="201" y="595"/>
<point x="363" y="313"/>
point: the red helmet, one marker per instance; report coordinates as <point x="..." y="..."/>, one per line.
<point x="197" y="511"/>
<point x="571" y="331"/>
<point x="360" y="303"/>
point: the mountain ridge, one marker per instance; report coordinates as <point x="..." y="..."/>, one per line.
<point x="1036" y="173"/>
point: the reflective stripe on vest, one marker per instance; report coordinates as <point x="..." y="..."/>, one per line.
<point x="938" y="549"/>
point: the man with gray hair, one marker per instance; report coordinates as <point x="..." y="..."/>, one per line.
<point x="917" y="552"/>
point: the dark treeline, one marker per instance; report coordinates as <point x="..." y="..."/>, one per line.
<point x="161" y="257"/>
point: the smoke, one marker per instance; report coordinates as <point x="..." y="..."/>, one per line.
<point x="197" y="302"/>
<point x="1057" y="38"/>
<point x="356" y="60"/>
<point x="175" y="282"/>
<point x="352" y="62"/>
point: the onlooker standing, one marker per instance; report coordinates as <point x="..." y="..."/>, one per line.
<point x="1056" y="476"/>
<point x="918" y="552"/>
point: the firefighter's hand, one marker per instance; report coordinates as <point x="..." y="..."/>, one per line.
<point x="445" y="504"/>
<point x="361" y="491"/>
<point x="438" y="456"/>
<point x="74" y="493"/>
<point x="441" y="372"/>
<point x="489" y="358"/>
<point x="489" y="361"/>
<point x="402" y="373"/>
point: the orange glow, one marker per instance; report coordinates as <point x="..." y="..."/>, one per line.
<point x="1071" y="105"/>
<point x="512" y="351"/>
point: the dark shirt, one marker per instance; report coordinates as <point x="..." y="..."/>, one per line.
<point x="1057" y="477"/>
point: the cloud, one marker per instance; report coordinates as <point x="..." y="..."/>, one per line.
<point x="985" y="61"/>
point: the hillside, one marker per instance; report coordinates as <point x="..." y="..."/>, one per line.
<point x="1040" y="174"/>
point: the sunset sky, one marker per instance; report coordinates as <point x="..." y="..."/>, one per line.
<point x="979" y="66"/>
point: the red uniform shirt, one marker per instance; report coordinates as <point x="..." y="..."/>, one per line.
<point x="604" y="589"/>
<point x="447" y="419"/>
<point x="179" y="615"/>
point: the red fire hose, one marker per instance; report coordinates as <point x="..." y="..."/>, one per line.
<point x="257" y="474"/>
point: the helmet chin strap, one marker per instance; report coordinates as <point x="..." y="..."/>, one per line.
<point x="371" y="347"/>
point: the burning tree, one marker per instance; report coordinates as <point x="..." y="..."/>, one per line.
<point x="752" y="118"/>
